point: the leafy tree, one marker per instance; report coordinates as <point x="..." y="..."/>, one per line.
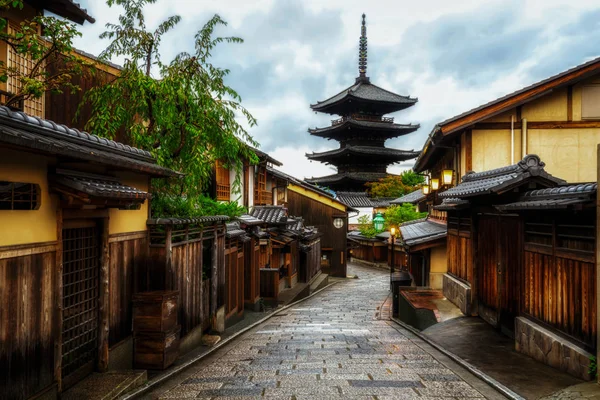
<point x="366" y="226"/>
<point x="395" y="185"/>
<point x="411" y="178"/>
<point x="52" y="53"/>
<point x="186" y="115"/>
<point x="168" y="206"/>
<point x="397" y="214"/>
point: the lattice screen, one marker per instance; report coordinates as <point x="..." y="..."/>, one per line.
<point x="24" y="65"/>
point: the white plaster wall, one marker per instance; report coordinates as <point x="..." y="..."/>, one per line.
<point x="361" y="211"/>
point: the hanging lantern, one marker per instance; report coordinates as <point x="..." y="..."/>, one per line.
<point x="435" y="184"/>
<point x="393" y="231"/>
<point x="425" y="189"/>
<point x="378" y="221"/>
<point x="447" y="175"/>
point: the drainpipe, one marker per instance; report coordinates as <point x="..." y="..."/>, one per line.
<point x="524" y="137"/>
<point x="512" y="139"/>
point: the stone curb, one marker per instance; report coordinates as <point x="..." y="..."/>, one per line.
<point x="169" y="374"/>
<point x="503" y="390"/>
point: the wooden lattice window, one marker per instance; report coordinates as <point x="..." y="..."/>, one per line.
<point x="19" y="196"/>
<point x="261" y="195"/>
<point x="24" y="65"/>
<point x="223" y="186"/>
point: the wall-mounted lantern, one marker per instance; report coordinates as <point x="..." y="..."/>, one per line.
<point x="447" y="176"/>
<point x="425" y="189"/>
<point x="435" y="184"/>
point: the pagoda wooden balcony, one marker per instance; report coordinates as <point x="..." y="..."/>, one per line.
<point x="362" y="117"/>
<point x="263" y="197"/>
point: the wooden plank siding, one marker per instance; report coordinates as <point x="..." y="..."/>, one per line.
<point x="187" y="267"/>
<point x="460" y="246"/>
<point x="28" y="327"/>
<point x="251" y="271"/>
<point x="127" y="254"/>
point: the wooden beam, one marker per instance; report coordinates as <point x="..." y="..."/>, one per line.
<point x="58" y="316"/>
<point x="519" y="116"/>
<point x="570" y="103"/>
<point x="518" y="99"/>
<point x="103" y="325"/>
<point x="538" y="125"/>
<point x="468" y="151"/>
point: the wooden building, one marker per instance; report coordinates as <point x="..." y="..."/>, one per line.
<point x="521" y="255"/>
<point x="74" y="209"/>
<point x="370" y="250"/>
<point x="361" y="130"/>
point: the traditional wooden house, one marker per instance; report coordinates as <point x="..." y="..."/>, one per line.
<point x="423" y="243"/>
<point x="364" y="204"/>
<point x="416" y="198"/>
<point x="521" y="255"/>
<point x="74" y="209"/>
<point x="369" y="250"/>
<point x="320" y="209"/>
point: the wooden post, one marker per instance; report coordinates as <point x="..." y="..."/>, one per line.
<point x="169" y="281"/>
<point x="475" y="268"/>
<point x="58" y="315"/>
<point x="214" y="276"/>
<point x="103" y="325"/>
<point x="598" y="262"/>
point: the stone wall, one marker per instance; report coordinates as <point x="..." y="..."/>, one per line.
<point x="547" y="347"/>
<point x="458" y="293"/>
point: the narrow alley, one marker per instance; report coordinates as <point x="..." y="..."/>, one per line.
<point x="334" y="345"/>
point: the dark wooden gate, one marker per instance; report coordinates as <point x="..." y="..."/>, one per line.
<point x="498" y="265"/>
<point x="80" y="294"/>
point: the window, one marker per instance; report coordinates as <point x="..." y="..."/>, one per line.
<point x="590" y="102"/>
<point x="24" y="65"/>
<point x="223" y="186"/>
<point x="19" y="196"/>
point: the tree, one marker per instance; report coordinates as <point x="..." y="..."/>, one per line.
<point x="186" y="115"/>
<point x="396" y="185"/>
<point x="366" y="227"/>
<point x="397" y="214"/>
<point x="46" y="42"/>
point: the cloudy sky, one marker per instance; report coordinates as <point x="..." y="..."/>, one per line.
<point x="452" y="55"/>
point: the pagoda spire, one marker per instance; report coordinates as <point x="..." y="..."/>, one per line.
<point x="362" y="49"/>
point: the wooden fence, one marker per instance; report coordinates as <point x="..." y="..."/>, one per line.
<point x="460" y="247"/>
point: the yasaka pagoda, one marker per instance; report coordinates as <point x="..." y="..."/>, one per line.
<point x="361" y="130"/>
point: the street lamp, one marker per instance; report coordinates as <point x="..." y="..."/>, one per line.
<point x="435" y="184"/>
<point x="447" y="175"/>
<point x="378" y="221"/>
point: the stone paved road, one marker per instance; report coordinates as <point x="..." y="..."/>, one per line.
<point x="332" y="346"/>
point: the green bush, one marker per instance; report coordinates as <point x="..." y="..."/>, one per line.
<point x="166" y="206"/>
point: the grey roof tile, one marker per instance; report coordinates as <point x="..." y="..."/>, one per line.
<point x="97" y="185"/>
<point x="388" y="153"/>
<point x="412" y="198"/>
<point x="208" y="219"/>
<point x="365" y="90"/>
<point x="422" y="231"/>
<point x="270" y="214"/>
<point x="376" y="128"/>
<point x="559" y="197"/>
<point x="362" y="199"/>
<point x="351" y="176"/>
<point x="234" y="230"/>
<point x="499" y="179"/>
<point x="249" y="220"/>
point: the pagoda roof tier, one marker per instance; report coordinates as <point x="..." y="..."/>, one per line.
<point x="366" y="97"/>
<point x="384" y="128"/>
<point x="347" y="178"/>
<point x="383" y="155"/>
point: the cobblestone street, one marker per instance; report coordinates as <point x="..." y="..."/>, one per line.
<point x="334" y="345"/>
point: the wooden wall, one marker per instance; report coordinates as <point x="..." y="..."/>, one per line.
<point x="28" y="319"/>
<point x="127" y="252"/>
<point x="371" y="252"/>
<point x="234" y="278"/>
<point x="310" y="262"/>
<point x="321" y="216"/>
<point x="251" y="271"/>
<point x="460" y="247"/>
<point x="187" y="267"/>
<point x="560" y="274"/>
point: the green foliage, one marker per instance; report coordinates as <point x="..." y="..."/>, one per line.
<point x="397" y="214"/>
<point x="366" y="227"/>
<point x="396" y="186"/>
<point x="54" y="63"/>
<point x="593" y="368"/>
<point x="411" y="178"/>
<point x="185" y="115"/>
<point x="164" y="206"/>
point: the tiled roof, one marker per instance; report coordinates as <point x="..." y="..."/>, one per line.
<point x="270" y="214"/>
<point x="188" y="221"/>
<point x="264" y="156"/>
<point x="97" y="185"/>
<point x="362" y="200"/>
<point x="412" y="198"/>
<point x="377" y="128"/>
<point x="250" y="220"/>
<point x="68" y="9"/>
<point x="384" y="152"/>
<point x="422" y="231"/>
<point x="554" y="198"/>
<point x="452" y="204"/>
<point x="295" y="224"/>
<point x="299" y="182"/>
<point x="499" y="179"/>
<point x="365" y="90"/>
<point x="352" y="176"/>
<point x="356" y="236"/>
<point x="234" y="230"/>
<point x="22" y="130"/>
